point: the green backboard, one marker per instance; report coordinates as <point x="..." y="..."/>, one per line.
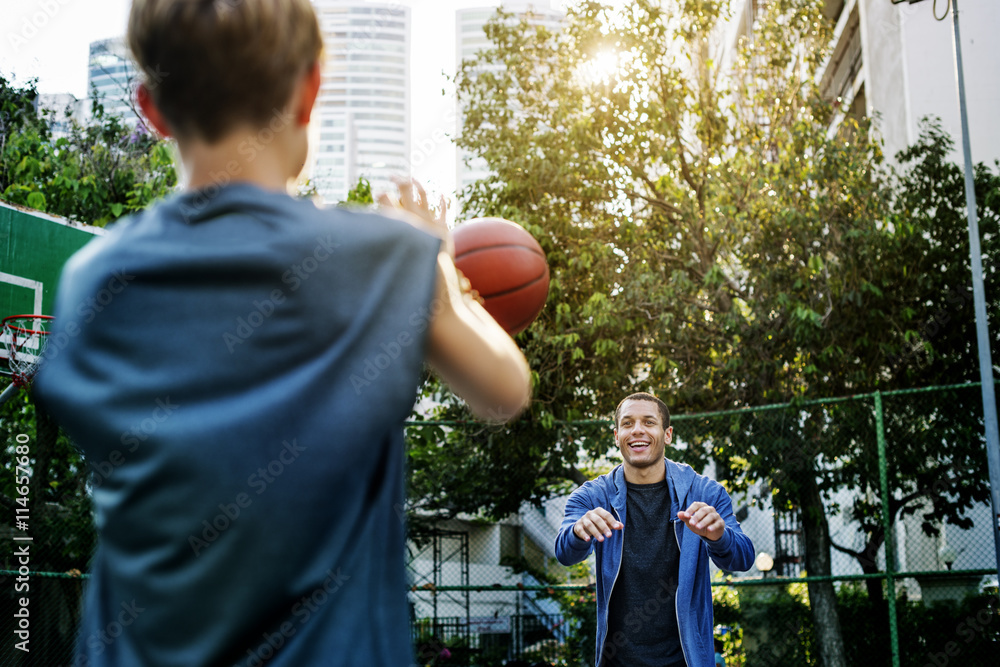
<point x="33" y="248"/>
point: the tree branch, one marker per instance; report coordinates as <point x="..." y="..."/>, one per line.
<point x="845" y="550"/>
<point x="574" y="475"/>
<point x="655" y="201"/>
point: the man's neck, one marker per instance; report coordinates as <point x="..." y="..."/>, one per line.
<point x="650" y="475"/>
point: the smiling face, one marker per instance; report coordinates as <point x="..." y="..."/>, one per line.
<point x="642" y="440"/>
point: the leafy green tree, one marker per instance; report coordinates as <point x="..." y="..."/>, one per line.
<point x="360" y="194"/>
<point x="99" y="172"/>
<point x="940" y="476"/>
<point x="60" y="507"/>
<point x="710" y="238"/>
<point x="17" y="106"/>
<point x="59" y="520"/>
<point x="102" y="170"/>
<point x="921" y="288"/>
<point x="689" y="215"/>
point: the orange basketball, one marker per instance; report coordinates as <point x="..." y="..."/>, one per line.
<point x="506" y="266"/>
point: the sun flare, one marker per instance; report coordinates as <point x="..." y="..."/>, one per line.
<point x="602" y="68"/>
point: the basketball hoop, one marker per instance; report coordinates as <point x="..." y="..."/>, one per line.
<point x="22" y="341"/>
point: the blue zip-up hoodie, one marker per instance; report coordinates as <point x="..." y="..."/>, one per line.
<point x="732" y="552"/>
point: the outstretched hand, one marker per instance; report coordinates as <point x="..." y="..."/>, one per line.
<point x="413" y="199"/>
<point x="597" y="523"/>
<point x="702" y="519"/>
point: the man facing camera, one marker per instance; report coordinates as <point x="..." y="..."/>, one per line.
<point x="653" y="525"/>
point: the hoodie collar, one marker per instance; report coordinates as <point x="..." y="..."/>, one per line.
<point x="679" y="479"/>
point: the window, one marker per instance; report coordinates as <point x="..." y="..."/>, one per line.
<point x="375" y="103"/>
<point x="380" y="116"/>
<point x="478" y="16"/>
<point x="510" y="542"/>
<point x="378" y="128"/>
<point x="400" y="71"/>
<point x="378" y="11"/>
<point x="372" y="45"/>
<point x="368" y="92"/>
<point x="379" y="23"/>
<point x="379" y="36"/>
<point x="367" y="153"/>
<point x="378" y="59"/>
<point x="375" y="79"/>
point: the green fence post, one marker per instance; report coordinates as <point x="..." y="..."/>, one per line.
<point x="890" y="544"/>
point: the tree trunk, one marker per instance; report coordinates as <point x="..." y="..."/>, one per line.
<point x="879" y="622"/>
<point x="46" y="433"/>
<point x="868" y="562"/>
<point x="869" y="565"/>
<point x="822" y="596"/>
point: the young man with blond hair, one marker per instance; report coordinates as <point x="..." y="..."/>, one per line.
<point x="249" y="497"/>
<point x="654" y="525"/>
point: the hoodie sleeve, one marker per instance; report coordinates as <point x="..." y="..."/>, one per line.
<point x="570" y="549"/>
<point x="733" y="551"/>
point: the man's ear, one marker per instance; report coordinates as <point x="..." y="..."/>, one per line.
<point x="308" y="93"/>
<point x="151" y="111"/>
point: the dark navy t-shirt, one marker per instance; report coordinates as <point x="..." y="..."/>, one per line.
<point x="642" y="615"/>
<point x="237" y="366"/>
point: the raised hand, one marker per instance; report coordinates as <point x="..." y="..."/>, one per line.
<point x="703" y="520"/>
<point x="597" y="523"/>
<point x="413" y="199"/>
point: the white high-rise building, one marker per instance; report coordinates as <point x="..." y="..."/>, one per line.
<point x="470" y="39"/>
<point x="363" y="110"/>
<point x="112" y="76"/>
<point x="63" y="109"/>
<point x="900" y="65"/>
<point x="895" y="63"/>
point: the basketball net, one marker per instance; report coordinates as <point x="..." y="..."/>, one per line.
<point x="22" y="341"/>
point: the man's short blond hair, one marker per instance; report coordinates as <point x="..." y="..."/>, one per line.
<point x="211" y="65"/>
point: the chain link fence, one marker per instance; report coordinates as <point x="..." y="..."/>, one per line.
<point x="914" y="579"/>
<point x="804" y="477"/>
<point x="54" y="617"/>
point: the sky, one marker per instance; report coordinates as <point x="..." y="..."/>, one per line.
<point x="49" y="39"/>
